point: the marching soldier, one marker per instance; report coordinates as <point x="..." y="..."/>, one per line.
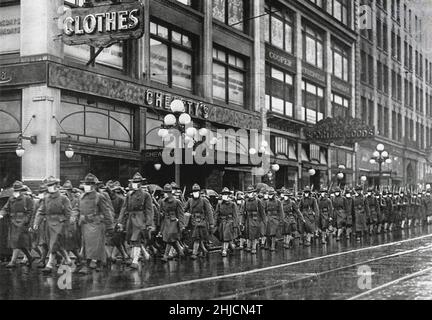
<point x="308" y="206"/>
<point x="340" y="212"/>
<point x="274" y="215"/>
<point x="173" y="222"/>
<point x="420" y="216"/>
<point x="227" y="220"/>
<point x="240" y="202"/>
<point x="19" y="208"/>
<point x="325" y="219"/>
<point x="386" y="209"/>
<point x="201" y="219"/>
<point x="253" y="220"/>
<point x="41" y="238"/>
<point x="73" y="236"/>
<point x="137" y="217"/>
<point x="373" y="207"/>
<point x="291" y="215"/>
<point x="56" y="209"/>
<point x="404" y="208"/>
<point x="361" y="212"/>
<point x="95" y="219"/>
<point x="350" y="212"/>
<point x="428" y="206"/>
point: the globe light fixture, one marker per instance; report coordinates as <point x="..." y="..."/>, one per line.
<point x="380" y="147"/>
<point x="372" y="161"/>
<point x="69" y="152"/>
<point x="157" y="166"/>
<point x="20" y="151"/>
<point x="170" y="120"/>
<point x="275" y="167"/>
<point x="341" y="167"/>
<point x="185" y="119"/>
<point x="252" y="151"/>
<point x="312" y="172"/>
<point x="389" y="161"/>
<point x="177" y="106"/>
<point x="363" y="178"/>
<point x="385" y="154"/>
<point x="162" y="133"/>
<point x="191" y="132"/>
<point x="376" y="154"/>
<point x="203" y="132"/>
<point x="213" y="141"/>
<point x="340" y="175"/>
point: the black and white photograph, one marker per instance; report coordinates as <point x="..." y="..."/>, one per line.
<point x="240" y="151"/>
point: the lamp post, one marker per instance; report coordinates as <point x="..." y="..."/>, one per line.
<point x="380" y="156"/>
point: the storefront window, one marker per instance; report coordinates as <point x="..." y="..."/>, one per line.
<point x="228" y="77"/>
<point x="279" y="91"/>
<point x="10" y="115"/>
<point x="171" y="57"/>
<point x="230" y="12"/>
<point x="313" y="99"/>
<point x="279" y="29"/>
<point x="98" y="123"/>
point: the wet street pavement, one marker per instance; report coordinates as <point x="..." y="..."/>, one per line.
<point x="388" y="266"/>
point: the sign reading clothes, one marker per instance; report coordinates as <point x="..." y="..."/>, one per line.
<point x="340" y="131"/>
<point x="103" y="25"/>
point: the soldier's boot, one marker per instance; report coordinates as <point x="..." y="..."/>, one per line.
<point x="301" y="239"/>
<point x="135" y="257"/>
<point x="307" y="241"/>
<point x="12" y="263"/>
<point x="179" y="249"/>
<point x="358" y="236"/>
<point x="403" y="224"/>
<point x="286" y="241"/>
<point x="203" y="249"/>
<point x="67" y="259"/>
<point x="409" y="223"/>
<point x="224" y="249"/>
<point x="323" y="237"/>
<point x="42" y="263"/>
<point x="379" y="228"/>
<point x="339" y="234"/>
<point x="165" y="257"/>
<point x="391" y="226"/>
<point x="273" y="244"/>
<point x="241" y="243"/>
<point x="371" y="229"/>
<point x="385" y="227"/>
<point x="248" y="245"/>
<point x="254" y="246"/>
<point x="86" y="269"/>
<point x="196" y="245"/>
<point x="145" y="253"/>
<point x="348" y="233"/>
<point x="50" y="264"/>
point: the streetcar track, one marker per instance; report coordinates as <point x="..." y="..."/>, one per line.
<point x="242" y="273"/>
<point x="319" y="274"/>
<point x="385" y="285"/>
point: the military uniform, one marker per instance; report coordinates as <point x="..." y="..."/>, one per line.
<point x="227" y="220"/>
<point x="95" y="219"/>
<point x="373" y="209"/>
<point x="325" y="221"/>
<point x="291" y="215"/>
<point x="340" y="213"/>
<point x="361" y="214"/>
<point x="253" y="220"/>
<point x="309" y="208"/>
<point x="173" y="222"/>
<point x="274" y="213"/>
<point x="19" y="209"/>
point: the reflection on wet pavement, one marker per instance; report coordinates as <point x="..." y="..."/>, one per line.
<point x="333" y="277"/>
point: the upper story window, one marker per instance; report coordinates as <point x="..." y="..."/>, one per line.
<point x="313" y="51"/>
<point x="341" y="106"/>
<point x="230" y="12"/>
<point x="339" y="10"/>
<point x="319" y="3"/>
<point x="279" y="28"/>
<point x="171" y="53"/>
<point x="340" y="58"/>
<point x="279" y="91"/>
<point x="313" y="100"/>
<point x="229" y="73"/>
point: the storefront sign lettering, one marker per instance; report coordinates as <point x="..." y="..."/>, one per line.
<point x="10" y="28"/>
<point x="280" y="58"/>
<point x="314" y="74"/>
<point x="340" y="131"/>
<point x="103" y="25"/>
<point x="99" y="85"/>
<point x="28" y="73"/>
<point x="341" y="86"/>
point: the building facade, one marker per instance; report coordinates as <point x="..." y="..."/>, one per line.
<point x="310" y="74"/>
<point x="396" y="91"/>
<point x="203" y="52"/>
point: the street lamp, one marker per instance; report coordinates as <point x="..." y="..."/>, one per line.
<point x="380" y="156"/>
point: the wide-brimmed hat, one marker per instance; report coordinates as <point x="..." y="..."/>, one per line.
<point x="67" y="185"/>
<point x="137" y="177"/>
<point x="168" y="188"/>
<point x="271" y="191"/>
<point x="90" y="179"/>
<point x="323" y="189"/>
<point x="226" y="191"/>
<point x="42" y="188"/>
<point x="196" y="187"/>
<point x="50" y="181"/>
<point x="175" y="186"/>
<point x="306" y="189"/>
<point x="18" y="186"/>
<point x="250" y="189"/>
<point x="337" y="189"/>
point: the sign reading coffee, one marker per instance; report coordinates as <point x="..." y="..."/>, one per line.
<point x="340" y="131"/>
<point x="103" y="25"/>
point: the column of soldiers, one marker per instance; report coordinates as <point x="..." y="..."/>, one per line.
<point x="99" y="223"/>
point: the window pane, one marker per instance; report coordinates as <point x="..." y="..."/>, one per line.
<point x="289" y="109"/>
<point x="266" y="28"/>
<point x="337" y="65"/>
<point x="219" y="81"/>
<point x="236" y="87"/>
<point x="288" y="38"/>
<point x="96" y="125"/>
<point x="162" y="32"/>
<point x="235" y="13"/>
<point x="278" y="105"/>
<point x="276" y="74"/>
<point x="181" y="69"/>
<point x="176" y="37"/>
<point x="310" y="51"/>
<point x="158" y="61"/>
<point x="219" y="10"/>
<point x="112" y="56"/>
<point x="277" y="32"/>
<point x="320" y="56"/>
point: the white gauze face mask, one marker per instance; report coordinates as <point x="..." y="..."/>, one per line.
<point x="196" y="195"/>
<point x="41" y="195"/>
<point x="16" y="194"/>
<point x="135" y="186"/>
<point x="51" y="189"/>
<point x="87" y="188"/>
<point x="225" y="197"/>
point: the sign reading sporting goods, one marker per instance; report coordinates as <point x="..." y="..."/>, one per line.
<point x="340" y="131"/>
<point x="103" y="25"/>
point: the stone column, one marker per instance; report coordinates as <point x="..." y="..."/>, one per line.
<point x="39" y="37"/>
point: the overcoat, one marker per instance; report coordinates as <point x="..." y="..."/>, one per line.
<point x="227" y="220"/>
<point x="291" y="215"/>
<point x="274" y="213"/>
<point x="325" y="213"/>
<point x="172" y="219"/>
<point x="309" y="209"/>
<point x="201" y="218"/>
<point x="340" y="211"/>
<point x="253" y="218"/>
<point x="361" y="213"/>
